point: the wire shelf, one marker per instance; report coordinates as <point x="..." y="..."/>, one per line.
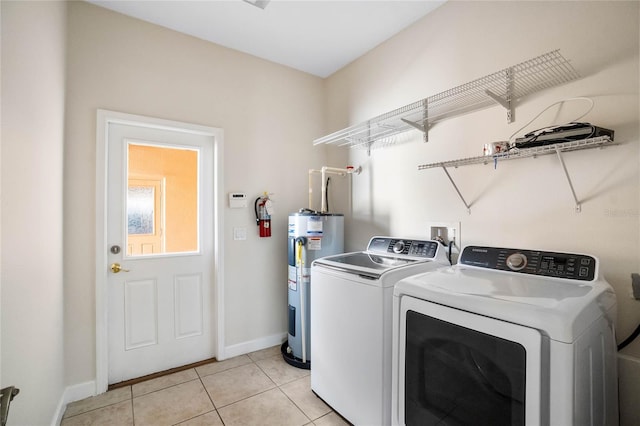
<point x="557" y="148"/>
<point x="503" y="87"/>
<point x="525" y="152"/>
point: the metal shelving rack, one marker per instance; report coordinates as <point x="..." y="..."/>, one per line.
<point x="504" y="87"/>
<point x="557" y="149"/>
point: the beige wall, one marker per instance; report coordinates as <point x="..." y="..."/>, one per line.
<point x="33" y="93"/>
<point x="524" y="203"/>
<point x="269" y="114"/>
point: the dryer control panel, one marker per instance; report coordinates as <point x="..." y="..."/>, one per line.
<point x="549" y="264"/>
<point x="399" y="247"/>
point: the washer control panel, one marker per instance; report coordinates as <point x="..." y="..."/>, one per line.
<point x="403" y="247"/>
<point x="549" y="264"/>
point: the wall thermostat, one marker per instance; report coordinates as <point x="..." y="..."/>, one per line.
<point x="237" y="200"/>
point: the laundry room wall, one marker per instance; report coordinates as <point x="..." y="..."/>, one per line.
<point x="524" y="203"/>
<point x="31" y="278"/>
<point x="269" y="114"/>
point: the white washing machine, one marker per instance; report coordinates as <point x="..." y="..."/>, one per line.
<point x="351" y="323"/>
<point x="506" y="337"/>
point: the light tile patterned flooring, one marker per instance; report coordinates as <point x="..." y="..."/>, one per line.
<point x="255" y="389"/>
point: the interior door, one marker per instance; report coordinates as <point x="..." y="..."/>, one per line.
<point x="159" y="299"/>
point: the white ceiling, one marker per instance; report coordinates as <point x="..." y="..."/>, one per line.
<point x="315" y="36"/>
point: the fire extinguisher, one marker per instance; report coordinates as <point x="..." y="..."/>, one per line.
<point x="264" y="208"/>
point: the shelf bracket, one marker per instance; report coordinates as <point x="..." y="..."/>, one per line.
<point x="424" y="127"/>
<point x="566" y="173"/>
<point x="415" y="125"/>
<point x="425" y="120"/>
<point x="507" y="101"/>
<point x="370" y="142"/>
<point x="457" y="190"/>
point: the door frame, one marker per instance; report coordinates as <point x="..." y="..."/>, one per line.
<point x="104" y="119"/>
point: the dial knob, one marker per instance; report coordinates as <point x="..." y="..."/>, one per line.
<point x="398" y="247"/>
<point x="516" y="261"/>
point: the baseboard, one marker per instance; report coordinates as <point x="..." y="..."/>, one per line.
<point x="71" y="394"/>
<point x="253" y="345"/>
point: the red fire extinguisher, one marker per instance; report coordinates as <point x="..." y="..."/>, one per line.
<point x="264" y="208"/>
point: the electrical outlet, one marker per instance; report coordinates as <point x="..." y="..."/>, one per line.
<point x="447" y="232"/>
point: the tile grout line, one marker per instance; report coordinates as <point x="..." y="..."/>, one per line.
<point x="279" y="387"/>
<point x="215" y="408"/>
<point x="133" y="412"/>
<point x="172" y="386"/>
<point x="276" y="386"/>
<point x="64" y="417"/>
<point x="161" y="389"/>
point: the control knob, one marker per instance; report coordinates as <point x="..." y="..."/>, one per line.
<point x="516" y="261"/>
<point x="398" y="247"/>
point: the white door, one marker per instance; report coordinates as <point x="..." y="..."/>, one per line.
<point x="159" y="299"/>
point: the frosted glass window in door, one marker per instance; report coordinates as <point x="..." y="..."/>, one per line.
<point x="140" y="210"/>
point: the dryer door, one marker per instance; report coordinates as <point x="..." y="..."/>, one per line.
<point x="459" y="368"/>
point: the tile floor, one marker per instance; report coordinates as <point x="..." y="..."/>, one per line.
<point x="255" y="389"/>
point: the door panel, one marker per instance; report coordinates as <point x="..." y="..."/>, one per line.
<point x="188" y="306"/>
<point x="141" y="313"/>
<point x="159" y="304"/>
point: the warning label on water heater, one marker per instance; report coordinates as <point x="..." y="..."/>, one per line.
<point x="292" y="279"/>
<point x="314" y="243"/>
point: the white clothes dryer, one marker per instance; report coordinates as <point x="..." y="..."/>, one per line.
<point x="506" y="337"/>
<point x="351" y="323"/>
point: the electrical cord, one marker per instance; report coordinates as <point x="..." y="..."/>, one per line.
<point x="553" y="104"/>
<point x="630" y="339"/>
<point x="326" y="193"/>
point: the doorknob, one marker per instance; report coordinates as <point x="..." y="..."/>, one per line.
<point x="115" y="268"/>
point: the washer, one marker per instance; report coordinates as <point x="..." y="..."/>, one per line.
<point x="351" y="323"/>
<point x="506" y="336"/>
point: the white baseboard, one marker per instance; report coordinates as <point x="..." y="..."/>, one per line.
<point x="253" y="345"/>
<point x="71" y="394"/>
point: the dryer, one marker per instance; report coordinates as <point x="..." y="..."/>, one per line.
<point x="506" y="337"/>
<point x="351" y="323"/>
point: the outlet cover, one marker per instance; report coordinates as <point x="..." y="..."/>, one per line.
<point x="447" y="231"/>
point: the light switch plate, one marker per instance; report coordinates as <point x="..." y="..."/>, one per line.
<point x="239" y="234"/>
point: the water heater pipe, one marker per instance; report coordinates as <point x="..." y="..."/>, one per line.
<point x="300" y="280"/>
<point x="324" y="171"/>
